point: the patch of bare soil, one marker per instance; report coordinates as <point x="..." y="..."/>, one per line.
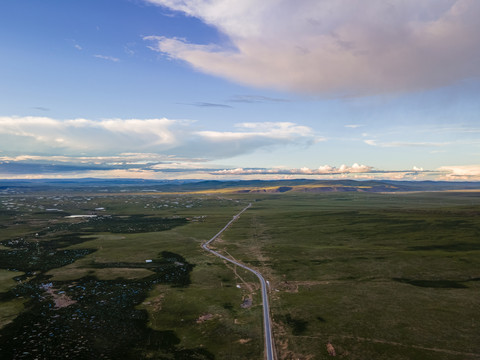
<point x="281" y="344"/>
<point x="204" y="318"/>
<point x="61" y="299"/>
<point x="281" y="341"/>
<point x="331" y="349"/>
<point x="244" y="341"/>
<point x="155" y="303"/>
<point x="288" y="286"/>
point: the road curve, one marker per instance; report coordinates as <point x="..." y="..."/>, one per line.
<point x="269" y="351"/>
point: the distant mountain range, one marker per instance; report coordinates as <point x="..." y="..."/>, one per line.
<point x="242" y="186"/>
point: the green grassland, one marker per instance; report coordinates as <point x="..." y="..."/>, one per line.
<point x="379" y="276"/>
<point x="184" y="304"/>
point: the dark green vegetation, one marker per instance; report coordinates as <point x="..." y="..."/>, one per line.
<point x="124" y="225"/>
<point x="379" y="276"/>
<point x="99" y="321"/>
<point x="28" y="256"/>
<point x="130" y="283"/>
<point x="89" y="318"/>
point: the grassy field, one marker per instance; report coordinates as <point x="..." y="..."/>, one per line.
<point x="376" y="276"/>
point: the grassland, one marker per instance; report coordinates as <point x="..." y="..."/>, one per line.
<point x="378" y="276"/>
<point x="182" y="305"/>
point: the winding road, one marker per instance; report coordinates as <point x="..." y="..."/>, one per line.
<point x="269" y="350"/>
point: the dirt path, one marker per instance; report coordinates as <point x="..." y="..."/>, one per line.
<point x="380" y="341"/>
<point x="234" y="269"/>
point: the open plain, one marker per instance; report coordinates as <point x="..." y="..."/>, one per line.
<point x="354" y="274"/>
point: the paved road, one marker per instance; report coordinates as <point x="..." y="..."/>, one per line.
<point x="269" y="351"/>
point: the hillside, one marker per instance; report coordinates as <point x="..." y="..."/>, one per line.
<point x="240" y="186"/>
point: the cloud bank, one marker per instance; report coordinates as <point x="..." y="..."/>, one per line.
<point x="153" y="166"/>
<point x="333" y="47"/>
<point x="166" y="148"/>
<point x="322" y="170"/>
<point x="464" y="172"/>
<point x="107" y="137"/>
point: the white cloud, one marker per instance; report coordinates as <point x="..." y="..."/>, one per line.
<point x="354" y="126"/>
<point x="256" y="99"/>
<point x="120" y="159"/>
<point x="464" y="172"/>
<point x="251" y="136"/>
<point x="356" y="171"/>
<point x="286" y="131"/>
<point x="372" y="142"/>
<point x="322" y="170"/>
<point x="109" y="137"/>
<point x="339" y="47"/>
<point x="41" y="134"/>
<point x="356" y="168"/>
<point x="106" y="57"/>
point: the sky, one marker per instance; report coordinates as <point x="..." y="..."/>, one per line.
<point x="228" y="89"/>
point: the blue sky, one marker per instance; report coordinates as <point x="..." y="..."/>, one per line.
<point x="227" y="90"/>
